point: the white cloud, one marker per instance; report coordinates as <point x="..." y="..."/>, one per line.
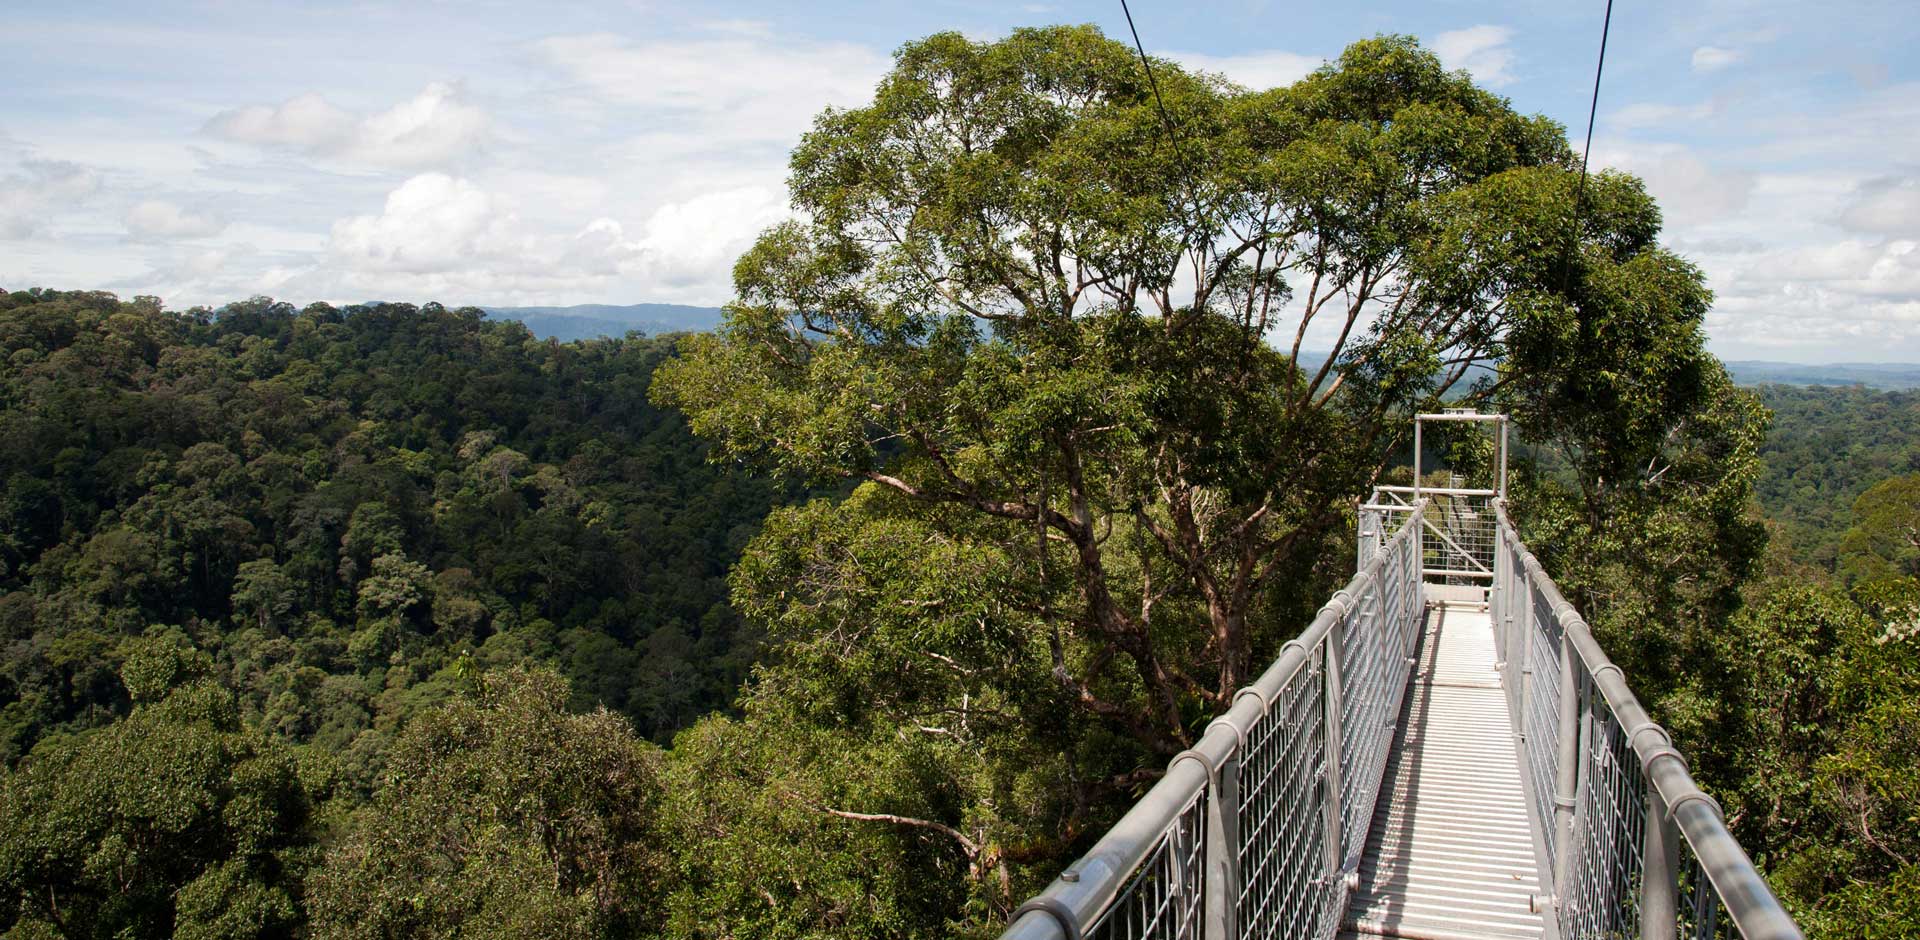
<point x="1481" y="50"/>
<point x="431" y="128"/>
<point x="439" y="234"/>
<point x="433" y="222"/>
<point x="1691" y="191"/>
<point x="1256" y="70"/>
<point x="1887" y="205"/>
<point x="738" y="89"/>
<point x="694" y="243"/>
<point x="157" y="218"/>
<point x="1657" y="115"/>
<point x="1845" y="294"/>
<point x="308" y="122"/>
<point x="1715" y="58"/>
<point x="42" y="189"/>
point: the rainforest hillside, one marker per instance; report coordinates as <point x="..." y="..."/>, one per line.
<point x="339" y="505"/>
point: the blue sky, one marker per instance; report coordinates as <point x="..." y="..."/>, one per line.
<point x="554" y="153"/>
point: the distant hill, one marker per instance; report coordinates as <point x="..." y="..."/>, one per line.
<point x="1886" y="376"/>
<point x="588" y="321"/>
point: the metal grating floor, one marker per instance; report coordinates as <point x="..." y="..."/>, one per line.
<point x="1450" y="856"/>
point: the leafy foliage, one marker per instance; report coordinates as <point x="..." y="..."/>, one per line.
<point x="502" y="816"/>
<point x="338" y="504"/>
<point x="178" y="820"/>
<point x="275" y="584"/>
<point x="1034" y="328"/>
<point x="1828" y="446"/>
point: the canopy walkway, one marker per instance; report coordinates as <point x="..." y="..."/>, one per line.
<point x="1444" y="753"/>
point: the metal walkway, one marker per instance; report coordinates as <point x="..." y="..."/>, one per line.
<point x="1444" y="753"/>
<point x="1451" y="855"/>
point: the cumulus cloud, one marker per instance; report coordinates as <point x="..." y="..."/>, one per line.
<point x="41" y="189"/>
<point x="443" y="233"/>
<point x="1887" y="205"/>
<point x="432" y="127"/>
<point x="159" y="219"/>
<point x="1256" y="70"/>
<point x="1849" y="294"/>
<point x="308" y="122"/>
<point x="432" y="222"/>
<point x="1715" y="58"/>
<point x="1481" y="50"/>
<point x="694" y="243"/>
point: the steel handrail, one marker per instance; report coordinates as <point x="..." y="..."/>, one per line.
<point x="1756" y="911"/>
<point x="1084" y="892"/>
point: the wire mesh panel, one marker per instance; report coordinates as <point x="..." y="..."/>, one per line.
<point x="1164" y="899"/>
<point x="1615" y="867"/>
<point x="1460" y="538"/>
<point x="1702" y="914"/>
<point x="1541" y="719"/>
<point x="1373" y="681"/>
<point x="1282" y="789"/>
<point x="1603" y="893"/>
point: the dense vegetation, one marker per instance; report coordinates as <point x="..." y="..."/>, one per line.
<point x="1828" y="445"/>
<point x="337" y="506"/>
<point x="367" y="622"/>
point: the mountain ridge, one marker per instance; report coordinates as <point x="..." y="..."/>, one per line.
<point x="590" y="321"/>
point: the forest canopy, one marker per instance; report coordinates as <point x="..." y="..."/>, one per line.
<point x="1005" y="470"/>
<point x="337" y="506"/>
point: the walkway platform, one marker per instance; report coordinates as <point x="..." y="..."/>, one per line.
<point x="1451" y="854"/>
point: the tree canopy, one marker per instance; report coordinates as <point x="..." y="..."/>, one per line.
<point x="1056" y="335"/>
<point x="356" y="622"/>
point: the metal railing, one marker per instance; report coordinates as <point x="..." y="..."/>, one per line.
<point x="1459" y="539"/>
<point x="1611" y="798"/>
<point x="1257" y="831"/>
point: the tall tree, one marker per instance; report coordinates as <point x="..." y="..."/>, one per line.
<point x="1053" y="319"/>
<point x="178" y="821"/>
<point x="502" y="816"/>
<point x="1031" y="309"/>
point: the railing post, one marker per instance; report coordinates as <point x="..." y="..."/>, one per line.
<point x="1336" y="854"/>
<point x="1524" y="590"/>
<point x="1368" y="541"/>
<point x="1659" y="872"/>
<point x="1223" y="849"/>
<point x="1497" y="601"/>
<point x="1566" y="768"/>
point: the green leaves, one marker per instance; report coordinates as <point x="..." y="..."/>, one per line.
<point x="1884" y="542"/>
<point x="504" y="816"/>
<point x="1053" y="350"/>
<point x="176" y="819"/>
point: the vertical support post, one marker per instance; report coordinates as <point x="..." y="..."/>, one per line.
<point x="1496" y="602"/>
<point x="1503" y="458"/>
<point x="1659" y="872"/>
<point x="1336" y="854"/>
<point x="1566" y="768"/>
<point x="1223" y="851"/>
<point x="1417" y="546"/>
<point x="1523" y="596"/>
<point x="1365" y="545"/>
<point x="1416" y="462"/>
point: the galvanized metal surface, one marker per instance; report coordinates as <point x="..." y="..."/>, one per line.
<point x="1319" y="803"/>
<point x="1250" y="833"/>
<point x="1451" y="854"/>
<point x="1597" y="761"/>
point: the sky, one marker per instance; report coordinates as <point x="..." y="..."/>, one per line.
<point x="549" y="153"/>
